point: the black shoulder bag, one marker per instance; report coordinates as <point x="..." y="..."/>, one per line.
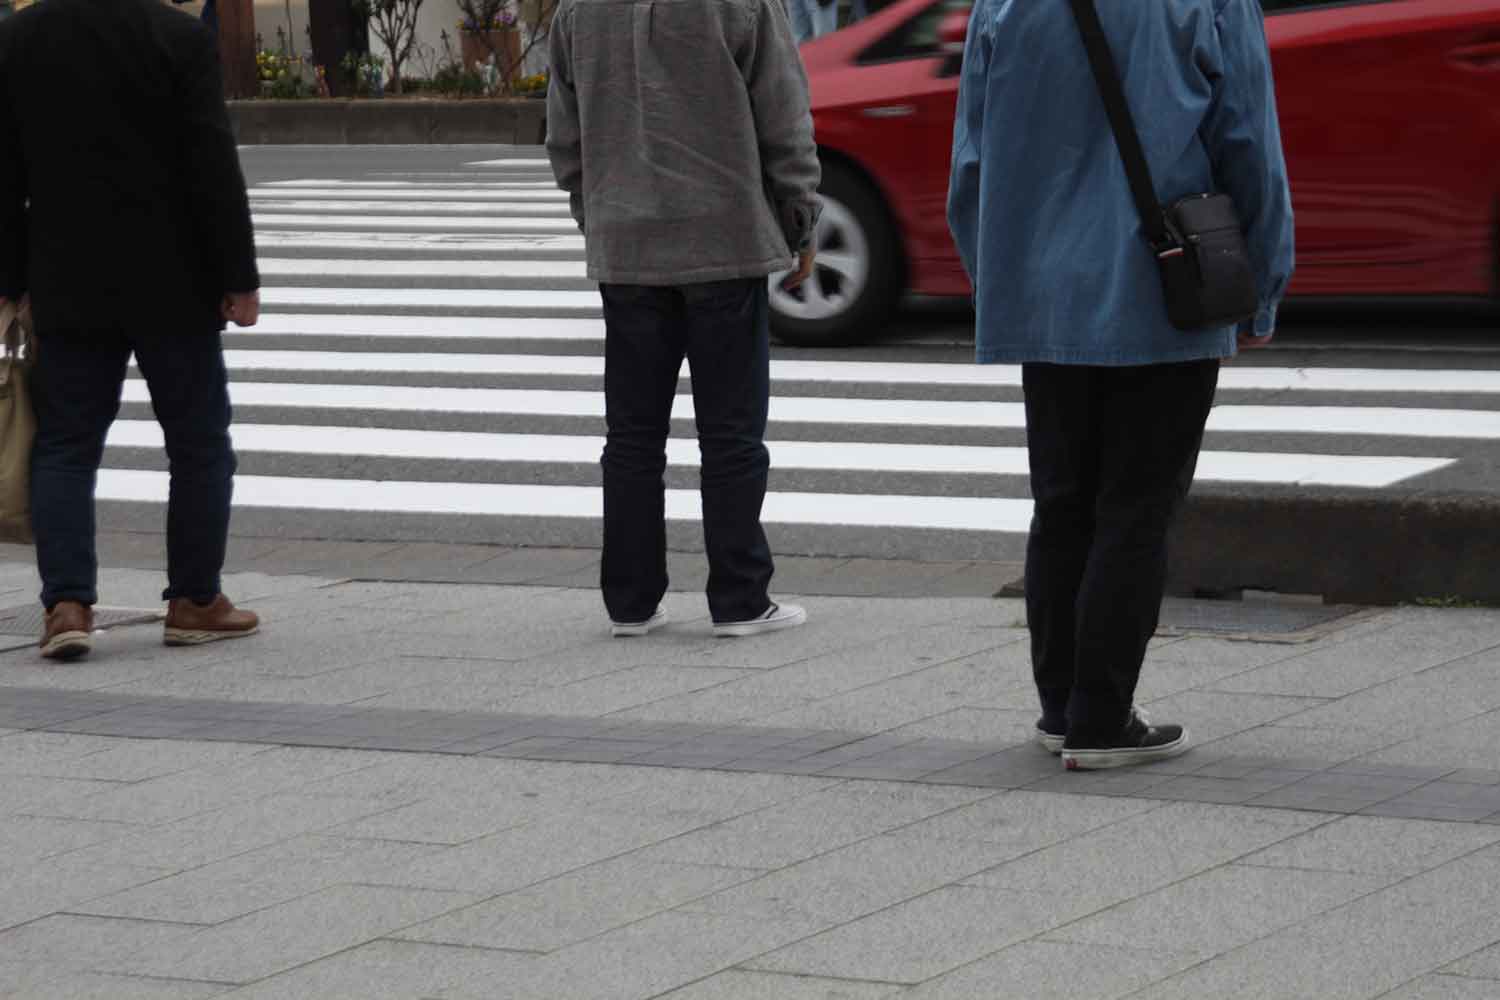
<point x="1205" y="265"/>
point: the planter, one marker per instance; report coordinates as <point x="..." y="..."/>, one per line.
<point x="505" y="43"/>
<point x="408" y="121"/>
<point x="537" y="13"/>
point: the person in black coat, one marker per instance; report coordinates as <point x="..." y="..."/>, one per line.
<point x="124" y="219"/>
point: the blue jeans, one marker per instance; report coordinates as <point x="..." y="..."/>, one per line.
<point x="76" y="388"/>
<point x="722" y="329"/>
<point x="810" y="19"/>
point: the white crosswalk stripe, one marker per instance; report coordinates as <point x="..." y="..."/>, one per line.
<point x="431" y="348"/>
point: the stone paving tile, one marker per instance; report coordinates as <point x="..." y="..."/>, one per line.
<point x="1012" y="767"/>
<point x="577" y="906"/>
<point x="1377" y="846"/>
<point x="84" y="944"/>
<point x="1186" y="839"/>
<point x="290" y="934"/>
<point x="1330" y="792"/>
<point x="856" y="880"/>
<point x="978" y="725"/>
<point x="225" y="833"/>
<point x="914" y="696"/>
<point x="1438" y="701"/>
<point x="814" y="824"/>
<point x="18" y="976"/>
<point x="1482" y="964"/>
<point x="1023" y="821"/>
<point x="95" y="986"/>
<point x="921" y="938"/>
<point x="1366" y="948"/>
<point x="32" y="838"/>
<point x="1446" y="987"/>
<point x="1399" y="645"/>
<point x="546" y="848"/>
<point x="1449" y="800"/>
<point x="256" y="880"/>
<point x="1055" y="970"/>
<point x="397" y="970"/>
<point x="1355" y="779"/>
<point x="658" y="954"/>
<point x="1220" y="910"/>
<point x="740" y="985"/>
<point x="138" y="760"/>
<point x="39" y="889"/>
<point x="1212" y="715"/>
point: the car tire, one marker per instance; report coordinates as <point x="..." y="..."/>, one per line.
<point x="858" y="279"/>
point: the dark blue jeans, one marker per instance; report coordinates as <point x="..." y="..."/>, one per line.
<point x="722" y="329"/>
<point x="76" y="388"/>
<point x="1113" y="452"/>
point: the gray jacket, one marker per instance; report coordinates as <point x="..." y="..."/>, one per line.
<point x="682" y="131"/>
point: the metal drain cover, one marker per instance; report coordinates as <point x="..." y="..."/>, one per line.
<point x="1270" y="619"/>
<point x="27" y="619"/>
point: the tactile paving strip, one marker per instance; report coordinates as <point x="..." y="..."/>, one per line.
<point x="27" y="619"/>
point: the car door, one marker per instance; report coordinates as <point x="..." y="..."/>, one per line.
<point x="900" y="130"/>
<point x="1390" y="113"/>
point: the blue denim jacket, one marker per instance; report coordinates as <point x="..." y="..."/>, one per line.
<point x="1039" y="204"/>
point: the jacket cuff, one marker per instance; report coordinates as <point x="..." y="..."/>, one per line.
<point x="799" y="222"/>
<point x="1265" y="320"/>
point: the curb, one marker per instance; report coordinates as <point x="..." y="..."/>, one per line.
<point x="389" y="122"/>
<point x="1348" y="549"/>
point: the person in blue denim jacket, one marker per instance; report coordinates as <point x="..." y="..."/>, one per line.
<point x="1066" y="285"/>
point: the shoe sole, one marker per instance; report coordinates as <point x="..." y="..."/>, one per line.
<point x="740" y="630"/>
<point x="1051" y="743"/>
<point x="68" y="646"/>
<point x="620" y="631"/>
<point x="201" y="637"/>
<point x="1100" y="760"/>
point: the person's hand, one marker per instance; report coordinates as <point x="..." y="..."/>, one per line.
<point x="242" y="308"/>
<point x="805" y="261"/>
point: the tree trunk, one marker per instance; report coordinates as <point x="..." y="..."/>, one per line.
<point x="336" y="32"/>
<point x="237" y="47"/>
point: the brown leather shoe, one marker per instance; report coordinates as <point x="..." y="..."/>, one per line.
<point x="191" y="625"/>
<point x="69" y="631"/>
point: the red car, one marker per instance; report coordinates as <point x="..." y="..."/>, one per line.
<point x="1390" y="113"/>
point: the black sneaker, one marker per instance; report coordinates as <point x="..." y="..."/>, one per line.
<point x="1140" y="743"/>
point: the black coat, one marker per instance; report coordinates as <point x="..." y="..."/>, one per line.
<point x="121" y="197"/>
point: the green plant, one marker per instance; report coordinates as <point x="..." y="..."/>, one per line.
<point x="536" y="84"/>
<point x="484" y="18"/>
<point x="282" y="76"/>
<point x="1453" y="601"/>
<point x="452" y="78"/>
<point x="365" y="73"/>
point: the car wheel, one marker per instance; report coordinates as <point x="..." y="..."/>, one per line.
<point x="858" y="273"/>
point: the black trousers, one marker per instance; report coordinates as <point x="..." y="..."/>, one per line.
<point x="76" y="389"/>
<point x="1113" y="452"/>
<point x="722" y="328"/>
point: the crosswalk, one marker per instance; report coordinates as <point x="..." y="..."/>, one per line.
<point x="429" y="367"/>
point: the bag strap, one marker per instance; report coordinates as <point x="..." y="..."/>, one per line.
<point x="1127" y="139"/>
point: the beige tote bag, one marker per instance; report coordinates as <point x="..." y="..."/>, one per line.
<point x="17" y="426"/>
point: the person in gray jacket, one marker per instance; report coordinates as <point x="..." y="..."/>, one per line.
<point x="682" y="131"/>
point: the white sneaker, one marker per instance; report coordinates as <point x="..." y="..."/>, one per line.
<point x="622" y="630"/>
<point x="776" y="618"/>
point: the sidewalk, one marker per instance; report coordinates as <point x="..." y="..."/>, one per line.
<point x="417" y="790"/>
